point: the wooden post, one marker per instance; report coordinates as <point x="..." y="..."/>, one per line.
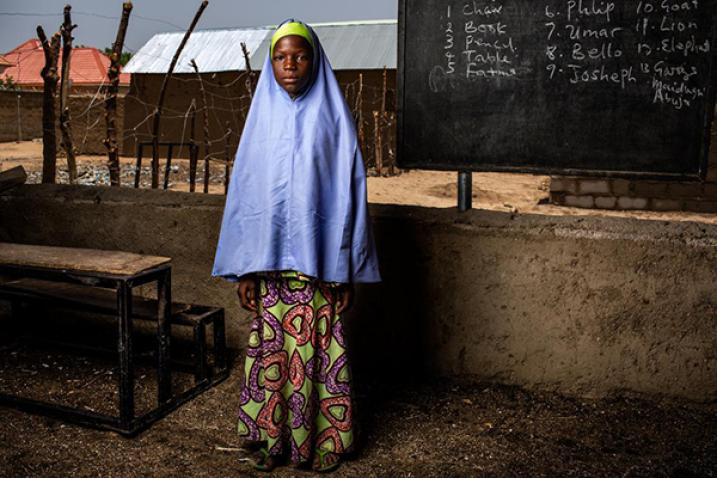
<point x="51" y="49"/>
<point x="358" y="94"/>
<point x="227" y="157"/>
<point x="113" y="74"/>
<point x="19" y="119"/>
<point x="391" y="145"/>
<point x="163" y="90"/>
<point x="65" y="122"/>
<point x="383" y="94"/>
<point x="378" y="158"/>
<point x="194" y="147"/>
<point x="359" y="109"/>
<point x="347" y="95"/>
<point x="168" y="165"/>
<point x="381" y="126"/>
<point x="194" y="151"/>
<point x="138" y="165"/>
<point x="205" y="120"/>
<point x="250" y="75"/>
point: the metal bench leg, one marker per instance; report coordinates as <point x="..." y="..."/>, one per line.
<point x="124" y="348"/>
<point x="16" y="310"/>
<point x="200" y="349"/>
<point x="164" y="331"/>
<point x="220" y="347"/>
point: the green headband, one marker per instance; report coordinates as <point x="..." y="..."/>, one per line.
<point x="291" y="28"/>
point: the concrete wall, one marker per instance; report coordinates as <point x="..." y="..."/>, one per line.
<point x="88" y="119"/>
<point x="586" y="306"/>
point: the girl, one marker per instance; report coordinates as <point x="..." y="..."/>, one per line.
<point x="296" y="236"/>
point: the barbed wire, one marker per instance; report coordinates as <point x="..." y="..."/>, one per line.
<point x="88" y="14"/>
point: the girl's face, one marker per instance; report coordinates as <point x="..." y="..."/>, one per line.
<point x="292" y="64"/>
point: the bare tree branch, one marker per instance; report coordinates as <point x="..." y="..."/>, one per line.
<point x="65" y="121"/>
<point x="205" y="120"/>
<point x="163" y="90"/>
<point x="51" y="49"/>
<point x="111" y="104"/>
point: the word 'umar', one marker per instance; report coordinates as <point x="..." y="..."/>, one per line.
<point x="658" y="49"/>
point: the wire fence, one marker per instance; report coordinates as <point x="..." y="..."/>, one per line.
<point x="201" y="115"/>
<point x="223" y="98"/>
<point x="209" y="110"/>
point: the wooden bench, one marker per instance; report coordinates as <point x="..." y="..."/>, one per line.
<point x="102" y="281"/>
<point x="96" y="299"/>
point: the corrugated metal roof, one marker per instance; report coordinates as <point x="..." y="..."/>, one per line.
<point x="369" y="45"/>
<point x="213" y="50"/>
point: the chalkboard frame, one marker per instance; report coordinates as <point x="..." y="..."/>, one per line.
<point x="406" y="163"/>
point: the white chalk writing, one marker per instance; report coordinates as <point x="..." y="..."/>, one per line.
<point x="656" y="49"/>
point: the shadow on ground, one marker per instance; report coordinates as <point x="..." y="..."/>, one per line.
<point x="439" y="429"/>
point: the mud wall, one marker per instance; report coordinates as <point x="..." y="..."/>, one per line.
<point x="24" y="107"/>
<point x="585" y="306"/>
<point x="228" y="102"/>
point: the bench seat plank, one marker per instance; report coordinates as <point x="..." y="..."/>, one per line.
<point x="104" y="300"/>
<point x="79" y="260"/>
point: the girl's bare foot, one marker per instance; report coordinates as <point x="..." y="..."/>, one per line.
<point x="325" y="461"/>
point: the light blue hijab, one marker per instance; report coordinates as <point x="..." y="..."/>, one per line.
<point x="297" y="194"/>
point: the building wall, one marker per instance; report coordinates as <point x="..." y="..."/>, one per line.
<point x="89" y="127"/>
<point x="228" y="102"/>
<point x="364" y="91"/>
<point x="29" y="117"/>
<point x="611" y="193"/>
<point x="586" y="306"/>
<point x="227" y="99"/>
<point x="87" y="113"/>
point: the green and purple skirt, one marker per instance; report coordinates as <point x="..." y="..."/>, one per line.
<point x="297" y="383"/>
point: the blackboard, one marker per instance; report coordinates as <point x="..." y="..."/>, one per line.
<point x="615" y="88"/>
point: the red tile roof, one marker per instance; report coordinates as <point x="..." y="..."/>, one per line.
<point x="4" y="61"/>
<point x="89" y="66"/>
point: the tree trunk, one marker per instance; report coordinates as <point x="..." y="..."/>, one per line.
<point x="51" y="49"/>
<point x="65" y="125"/>
<point x="113" y="74"/>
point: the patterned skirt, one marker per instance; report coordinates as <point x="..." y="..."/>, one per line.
<point x="296" y="394"/>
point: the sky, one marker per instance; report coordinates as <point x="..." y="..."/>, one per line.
<point x="98" y="20"/>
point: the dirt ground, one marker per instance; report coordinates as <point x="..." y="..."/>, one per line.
<point x="438" y="429"/>
<point x="445" y="428"/>
<point x="517" y="193"/>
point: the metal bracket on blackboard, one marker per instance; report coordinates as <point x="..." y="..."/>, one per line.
<point x="465" y="190"/>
